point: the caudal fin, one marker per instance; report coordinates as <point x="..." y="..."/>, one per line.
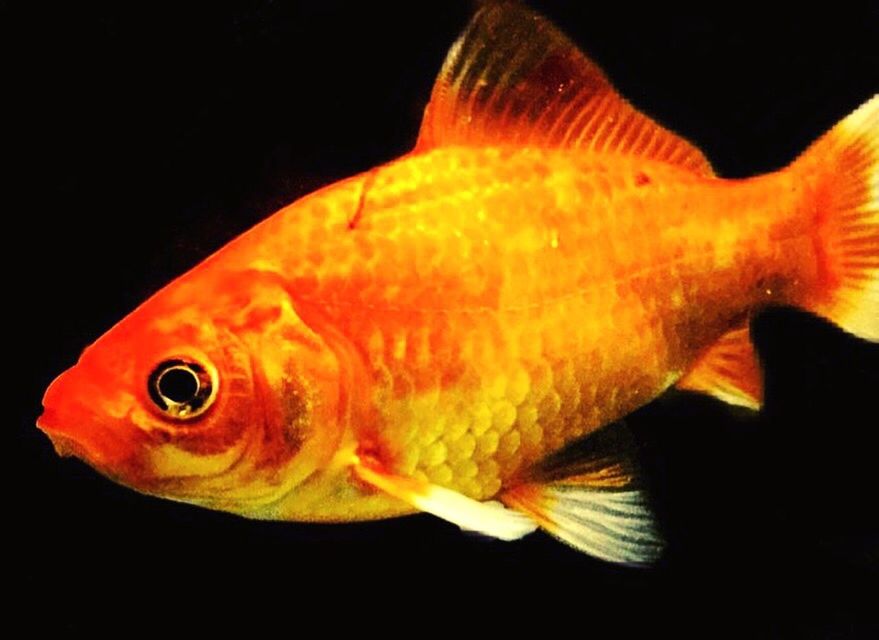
<point x="844" y="165"/>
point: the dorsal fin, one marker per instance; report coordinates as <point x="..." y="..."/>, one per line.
<point x="513" y="78"/>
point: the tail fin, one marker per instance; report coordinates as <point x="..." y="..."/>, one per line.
<point x="846" y="162"/>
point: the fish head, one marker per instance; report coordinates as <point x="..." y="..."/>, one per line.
<point x="213" y="392"/>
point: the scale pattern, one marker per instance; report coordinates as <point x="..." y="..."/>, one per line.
<point x="504" y="302"/>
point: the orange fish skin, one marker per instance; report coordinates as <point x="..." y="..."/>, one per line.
<point x="426" y="336"/>
<point x="454" y="315"/>
<point x="254" y="443"/>
<point x="488" y="306"/>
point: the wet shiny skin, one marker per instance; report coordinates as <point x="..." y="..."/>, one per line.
<point x="499" y="303"/>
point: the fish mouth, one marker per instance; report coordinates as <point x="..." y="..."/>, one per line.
<point x="65" y="446"/>
<point x="86" y="438"/>
<point x="88" y="445"/>
<point x="78" y="423"/>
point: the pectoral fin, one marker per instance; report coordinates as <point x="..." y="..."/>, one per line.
<point x="729" y="371"/>
<point x="589" y="497"/>
<point x="489" y="518"/>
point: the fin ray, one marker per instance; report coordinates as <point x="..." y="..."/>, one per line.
<point x="592" y="500"/>
<point x="489" y="518"/>
<point x="512" y="78"/>
<point x="844" y="164"/>
<point x="612" y="525"/>
<point x="728" y="370"/>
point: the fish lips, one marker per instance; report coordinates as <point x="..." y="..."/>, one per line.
<point x="102" y="441"/>
<point x="87" y="440"/>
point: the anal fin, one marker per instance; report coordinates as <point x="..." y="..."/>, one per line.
<point x="728" y="370"/>
<point x="590" y="497"/>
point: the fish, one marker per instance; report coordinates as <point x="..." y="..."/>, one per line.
<point x="456" y="331"/>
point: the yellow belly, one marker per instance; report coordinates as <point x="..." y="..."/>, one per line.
<point x="503" y="303"/>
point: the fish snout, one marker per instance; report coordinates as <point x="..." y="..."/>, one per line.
<point x="79" y="424"/>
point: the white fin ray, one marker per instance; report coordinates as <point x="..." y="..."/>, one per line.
<point x="589" y="497"/>
<point x="488" y="518"/>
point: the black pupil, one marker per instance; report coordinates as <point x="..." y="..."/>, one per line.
<point x="179" y="385"/>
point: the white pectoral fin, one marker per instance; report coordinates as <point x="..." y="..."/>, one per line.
<point x="488" y="518"/>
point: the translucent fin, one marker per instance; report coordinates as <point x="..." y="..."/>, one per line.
<point x="591" y="500"/>
<point x="488" y="518"/>
<point x="844" y="165"/>
<point x="513" y="78"/>
<point x="728" y="370"/>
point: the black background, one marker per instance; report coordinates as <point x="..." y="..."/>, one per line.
<point x="145" y="136"/>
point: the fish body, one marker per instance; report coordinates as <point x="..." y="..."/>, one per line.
<point x="430" y="334"/>
<point x="456" y="286"/>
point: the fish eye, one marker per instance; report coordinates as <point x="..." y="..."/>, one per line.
<point x="182" y="389"/>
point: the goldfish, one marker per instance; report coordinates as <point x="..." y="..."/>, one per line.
<point x="453" y="331"/>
